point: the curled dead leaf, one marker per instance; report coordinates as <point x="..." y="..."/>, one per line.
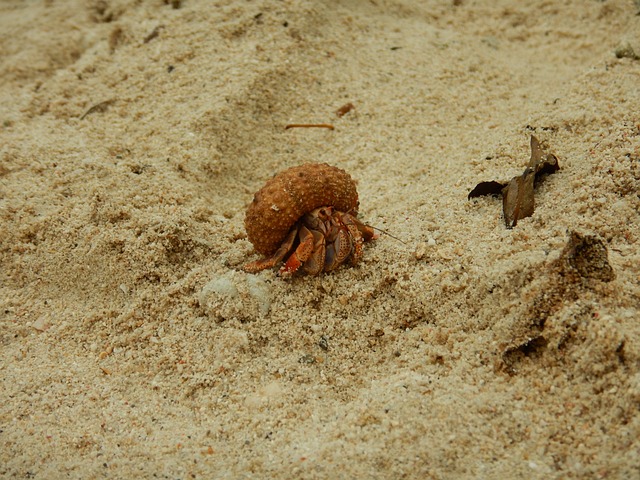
<point x="517" y="194"/>
<point x="517" y="198"/>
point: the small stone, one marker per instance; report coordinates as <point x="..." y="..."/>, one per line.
<point x="236" y="295"/>
<point x="626" y="50"/>
<point x="588" y="256"/>
<point x="419" y="252"/>
<point x="259" y="290"/>
<point x="41" y="324"/>
<point x="222" y="285"/>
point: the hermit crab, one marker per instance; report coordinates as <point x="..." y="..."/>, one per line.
<point x="306" y="217"/>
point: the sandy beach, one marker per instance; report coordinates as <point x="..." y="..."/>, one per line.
<point x="133" y="136"/>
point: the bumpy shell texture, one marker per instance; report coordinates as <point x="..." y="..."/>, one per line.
<point x="285" y="198"/>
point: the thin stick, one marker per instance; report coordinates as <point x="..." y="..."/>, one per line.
<point x="309" y="125"/>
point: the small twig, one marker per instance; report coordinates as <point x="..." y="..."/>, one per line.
<point x="99" y="107"/>
<point x="154" y="33"/>
<point x="309" y="125"/>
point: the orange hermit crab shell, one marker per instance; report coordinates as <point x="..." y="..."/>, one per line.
<point x="285" y="198"/>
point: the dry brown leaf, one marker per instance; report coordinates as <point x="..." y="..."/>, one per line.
<point x="517" y="195"/>
<point x="517" y="198"/>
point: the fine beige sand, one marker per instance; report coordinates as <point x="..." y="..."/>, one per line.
<point x="133" y="134"/>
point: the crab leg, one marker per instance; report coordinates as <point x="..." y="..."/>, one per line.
<point x="338" y="250"/>
<point x="367" y="232"/>
<point x="302" y="254"/>
<point x="359" y="233"/>
<point x="315" y="263"/>
<point x="268" y="262"/>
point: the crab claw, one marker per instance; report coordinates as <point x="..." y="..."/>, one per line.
<point x="309" y="254"/>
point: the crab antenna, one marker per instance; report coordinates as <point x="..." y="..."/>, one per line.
<point x="387" y="233"/>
